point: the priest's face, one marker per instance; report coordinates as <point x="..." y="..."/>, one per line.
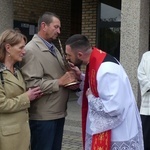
<point x="73" y="56"/>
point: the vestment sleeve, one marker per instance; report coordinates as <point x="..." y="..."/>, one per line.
<point x="143" y="74"/>
<point x="109" y="109"/>
<point x="80" y="93"/>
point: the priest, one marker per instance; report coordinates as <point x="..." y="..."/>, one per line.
<point x="110" y="117"/>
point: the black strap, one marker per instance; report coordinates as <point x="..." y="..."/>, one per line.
<point x="2" y="79"/>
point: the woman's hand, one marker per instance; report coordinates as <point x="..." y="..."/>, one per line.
<point x="34" y="93"/>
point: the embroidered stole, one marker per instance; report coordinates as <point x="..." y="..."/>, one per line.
<point x="99" y="141"/>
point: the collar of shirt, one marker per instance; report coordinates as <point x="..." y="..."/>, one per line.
<point x="50" y="46"/>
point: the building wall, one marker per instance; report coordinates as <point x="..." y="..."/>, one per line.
<point x="134" y="34"/>
<point x="29" y="11"/>
<point x="89" y="19"/>
<point x="134" y="38"/>
<point x="134" y="25"/>
<point x="6" y="15"/>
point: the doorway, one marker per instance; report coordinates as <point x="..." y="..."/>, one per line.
<point x="76" y="16"/>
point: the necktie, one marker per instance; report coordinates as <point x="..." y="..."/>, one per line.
<point x="52" y="49"/>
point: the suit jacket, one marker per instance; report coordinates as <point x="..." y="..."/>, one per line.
<point x="14" y="102"/>
<point x="40" y="68"/>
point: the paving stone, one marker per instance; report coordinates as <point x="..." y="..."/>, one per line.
<point x="72" y="137"/>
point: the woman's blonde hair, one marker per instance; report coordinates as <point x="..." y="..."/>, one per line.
<point x="12" y="37"/>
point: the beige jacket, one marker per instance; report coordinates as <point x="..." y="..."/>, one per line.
<point x="14" y="126"/>
<point x="41" y="68"/>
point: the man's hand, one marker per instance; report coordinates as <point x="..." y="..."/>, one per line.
<point x="67" y="78"/>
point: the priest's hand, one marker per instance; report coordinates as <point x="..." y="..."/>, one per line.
<point x="88" y="92"/>
<point x="76" y="70"/>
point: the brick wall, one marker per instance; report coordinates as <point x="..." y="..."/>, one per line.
<point x="30" y="10"/>
<point x="89" y="19"/>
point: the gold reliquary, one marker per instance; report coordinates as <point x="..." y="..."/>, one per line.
<point x="67" y="65"/>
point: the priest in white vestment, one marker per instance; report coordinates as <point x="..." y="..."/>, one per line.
<point x="143" y="74"/>
<point x="113" y="108"/>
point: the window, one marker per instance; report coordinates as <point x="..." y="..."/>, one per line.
<point x="108" y="27"/>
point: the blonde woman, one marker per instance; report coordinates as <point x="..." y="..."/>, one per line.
<point x="14" y="99"/>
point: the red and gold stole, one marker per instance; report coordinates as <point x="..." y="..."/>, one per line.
<point x="99" y="141"/>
